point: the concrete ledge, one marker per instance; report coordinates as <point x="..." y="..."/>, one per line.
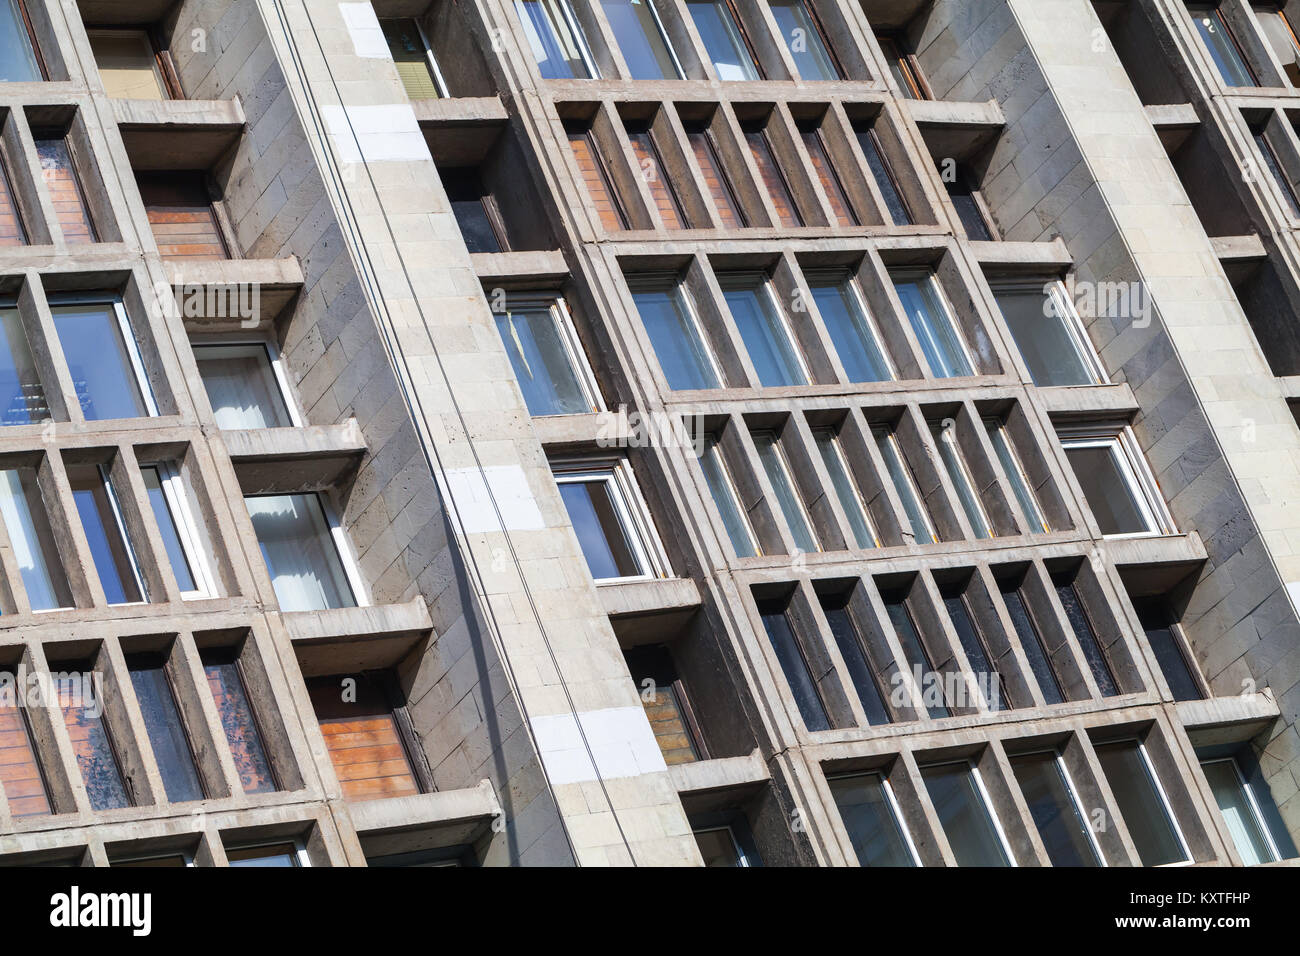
<point x="1068" y="403"/>
<point x="1290" y="385"/>
<point x="462" y="110"/>
<point x="540" y="266"/>
<point x="1172" y="114"/>
<point x="649" y="612"/>
<point x="460" y="131"/>
<point x="1155" y="565"/>
<point x="723" y="784"/>
<point x="178" y="134"/>
<point x="955" y="129"/>
<point x="1226" y="720"/>
<point x="574" y="431"/>
<point x="356" y="638"/>
<point x="426" y="821"/>
<point x="290" y="460"/>
<point x="228" y="295"/>
<point x="1235" y="248"/>
<point x="1008" y="258"/>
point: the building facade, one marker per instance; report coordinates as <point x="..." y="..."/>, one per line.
<point x="649" y="432"/>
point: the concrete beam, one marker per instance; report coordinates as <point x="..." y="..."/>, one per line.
<point x="722" y="784"/>
<point x="343" y="640"/>
<point x="234" y="295"/>
<point x="292" y="460"/>
<point x="425" y="821"/>
<point x="178" y="134"/>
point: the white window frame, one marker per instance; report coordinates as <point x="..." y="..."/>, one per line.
<point x="963" y="473"/>
<point x="299" y="848"/>
<point x="983" y="794"/>
<point x="1073" y="793"/>
<point x="888" y="433"/>
<point x="663" y="35"/>
<point x="713" y="448"/>
<point x="928" y="275"/>
<point x="575" y="30"/>
<point x="996" y="429"/>
<point x="1054" y="289"/>
<point x="273" y="355"/>
<point x="891" y="802"/>
<point x="873" y="327"/>
<point x="569" y="341"/>
<point x="1252" y="803"/>
<point x="128" y="340"/>
<point x="675" y="285"/>
<point x="115" y="506"/>
<point x="142" y="35"/>
<point x="784" y="462"/>
<point x="1133" y="469"/>
<point x="838" y="451"/>
<point x="629" y="507"/>
<point x="177" y="500"/>
<point x="342" y="545"/>
<point x="1166" y="805"/>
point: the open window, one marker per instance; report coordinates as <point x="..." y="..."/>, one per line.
<point x="613" y="524"/>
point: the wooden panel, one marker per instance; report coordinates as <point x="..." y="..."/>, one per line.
<point x="12" y="232"/>
<point x="669" y="727"/>
<point x="830" y="179"/>
<point x="598" y="185"/>
<point x="665" y="197"/>
<point x="363" y="739"/>
<point x="180" y="212"/>
<point x="65" y="190"/>
<point x="20" y="774"/>
<point x="724" y="199"/>
<point x="773" y="179"/>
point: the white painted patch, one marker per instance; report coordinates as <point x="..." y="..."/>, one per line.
<point x="469" y="487"/>
<point x="363" y="26"/>
<point x="376" y="134"/>
<point x="619" y="737"/>
<point x="1293" y="590"/>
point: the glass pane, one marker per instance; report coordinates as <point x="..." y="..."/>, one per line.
<point x="773" y="179"/>
<point x="241" y="386"/>
<point x="804" y="40"/>
<point x="918" y="660"/>
<point x="1283" y="182"/>
<point x="720" y="487"/>
<point x="64" y="187"/>
<point x="787" y="498"/>
<point x="80" y="697"/>
<point x="299" y="551"/>
<point x="542" y="367"/>
<point x="794" y="667"/>
<point x="1032" y="645"/>
<point x="99" y="360"/>
<point x="845" y="488"/>
<point x="604" y="540"/>
<point x="968" y="211"/>
<point x="722" y="40"/>
<point x="1043" y="338"/>
<point x="899" y="473"/>
<point x="945" y="440"/>
<point x="22" y="399"/>
<point x="32" y="540"/>
<point x="20" y="769"/>
<point x="764" y="334"/>
<point x="410" y="57"/>
<point x="869" y="818"/>
<point x="17" y="59"/>
<point x="1140" y="804"/>
<point x="997" y="433"/>
<point x="964" y="815"/>
<point x="151" y="861"/>
<point x="718" y="847"/>
<point x="12" y="232"/>
<point x="1114" y="502"/>
<point x="640" y="40"/>
<point x="240" y="724"/>
<point x="934" y="328"/>
<point x="986" y="674"/>
<point x="554" y="46"/>
<point x="715" y="177"/>
<point x="167" y="529"/>
<point x="281" y="854"/>
<point x="1234" y="803"/>
<point x="109" y="548"/>
<point x="1087" y="638"/>
<point x="676" y="341"/>
<point x="850" y="330"/>
<point x="830" y="178"/>
<point x="1164" y="642"/>
<point x="126" y="64"/>
<point x="849" y="642"/>
<point x="469" y="204"/>
<point x="1221" y="46"/>
<point x="896" y="205"/>
<point x="162" y="721"/>
<point x="656" y="178"/>
<point x="1063" y="829"/>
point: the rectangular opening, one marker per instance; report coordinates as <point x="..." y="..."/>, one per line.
<point x="367" y="743"/>
<point x="180" y="210"/>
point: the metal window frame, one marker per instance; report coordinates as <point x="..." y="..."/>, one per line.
<point x="115" y="507"/>
<point x="567" y="332"/>
<point x="663" y="35"/>
<point x="886" y="435"/>
<point x="1071" y="322"/>
<point x="958" y="459"/>
<point x="1073" y="794"/>
<point x="891" y="802"/>
<point x="926" y="275"/>
<point x="845" y="279"/>
<point x="1214" y="11"/>
<point x="630" y="509"/>
<point x="983" y="794"/>
<point x="339" y="538"/>
<point x="177" y="500"/>
<point x="124" y="329"/>
<point x="164" y="84"/>
<point x="1163" y="797"/>
<point x="1252" y="803"/>
<point x="439" y="83"/>
<point x="763" y="285"/>
<point x="1132" y="468"/>
<point x="741" y="858"/>
<point x="575" y="31"/>
<point x="299" y="849"/>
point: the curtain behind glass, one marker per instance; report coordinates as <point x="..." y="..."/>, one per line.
<point x="299" y="551"/>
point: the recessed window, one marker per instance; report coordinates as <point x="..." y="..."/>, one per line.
<point x="670" y="323"/>
<point x="727" y="845"/>
<point x="970" y="206"/>
<point x="18" y="59"/>
<point x="179" y="529"/>
<point x="762" y="327"/>
<point x="931" y="319"/>
<point x="805" y="40"/>
<point x="110" y="546"/>
<point x="595" y="175"/>
<point x="553" y="34"/>
<point x="546" y="356"/>
<point x="1116" y="481"/>
<point x="1171" y="652"/>
<point x="973" y="643"/>
<point x="367" y="733"/>
<point x="224" y="674"/>
<point x="21" y="393"/>
<point x="475" y="209"/>
<point x="1047" y="331"/>
<point x="21" y="776"/>
<point x="414" y="61"/>
<point x="790" y="656"/>
<point x="962" y="806"/>
<point x="847" y="319"/>
<point x="641" y="39"/>
<point x="900" y="474"/>
<point x="663" y="695"/>
<point x="165" y="727"/>
<point x="845" y="488"/>
<point x="777" y="468"/>
<point x="904" y="66"/>
<point x="723" y="490"/>
<point x="1031" y="642"/>
<point x="128" y="64"/>
<point x="183" y="859"/>
<point x="871" y="818"/>
<point x="103" y="358"/>
<point x="1241" y="812"/>
<point x="725" y="201"/>
<point x="1054" y="806"/>
<point x="1221" y="44"/>
<point x="1281" y="37"/>
<point x="610" y="519"/>
<point x="31" y="540"/>
<point x="724" y="39"/>
<point x="1273" y="163"/>
<point x="954" y="463"/>
<point x="12" y="232"/>
<point x="841" y="205"/>
<point x="669" y="205"/>
<point x="1015" y="472"/>
<point x="773" y="176"/>
<point x="63" y="182"/>
<point x="245" y="385"/>
<point x="914" y="652"/>
<point x="882" y="171"/>
<point x="1085" y="632"/>
<point x="861" y="672"/>
<point x="269" y="854"/>
<point x="301" y="547"/>
<point x="182" y="216"/>
<point x="79" y="692"/>
<point x="1141" y="802"/>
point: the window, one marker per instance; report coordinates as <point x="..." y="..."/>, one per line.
<point x="224" y="674"/>
<point x="1015" y="472"/>
<point x="849" y="641"/>
<point x="773" y="459"/>
<point x="903" y="65"/>
<point x="1086" y="634"/>
<point x="841" y="206"/>
<point x="667" y="202"/>
<point x="546" y="356"/>
<point x="969" y="204"/>
<point x="1141" y="802"/>
<point x="556" y="39"/>
<point x="805" y="40"/>
<point x="730" y="214"/>
<point x="12" y="232"/>
<point x="719" y="847"/>
<point x="415" y="64"/>
<point x="870" y="814"/>
<point x="1221" y="45"/>
<point x="848" y="321"/>
<point x="986" y="673"/>
<point x="666" y="707"/>
<point x="612" y="523"/>
<point x="670" y="323"/>
<point x="127" y="64"/>
<point x="778" y="188"/>
<point x="475" y="209"/>
<point x="269" y="854"/>
<point x="724" y="39"/>
<point x="1031" y="642"/>
<point x="21" y="776"/>
<point x="165" y="727"/>
<point x="183" y="859"/>
<point x="366" y="731"/>
<point x="1171" y="653"/>
<point x="64" y="185"/>
<point x="945" y="438"/>
<point x="1047" y="331"/>
<point x="962" y="806"/>
<point x="32" y="540"/>
<point x="758" y="317"/>
<point x="1280" y="35"/>
<point x="1268" y="155"/>
<point x="935" y="329"/>
<point x="1116" y="481"/>
<point x="789" y="654"/>
<point x="1241" y="813"/>
<point x="110" y="546"/>
<point x="80" y="691"/>
<point x="19" y="61"/>
<point x="182" y="216"/>
<point x="882" y="171"/>
<point x="178" y="529"/>
<point x="595" y="174"/>
<point x="845" y="488"/>
<point x="723" y="491"/>
<point x="245" y="385"/>
<point x="21" y="394"/>
<point x="641" y="39"/>
<point x="918" y="520"/>
<point x="301" y="546"/>
<point x="103" y="358"/>
<point x="1054" y="806"/>
<point x="914" y="652"/>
